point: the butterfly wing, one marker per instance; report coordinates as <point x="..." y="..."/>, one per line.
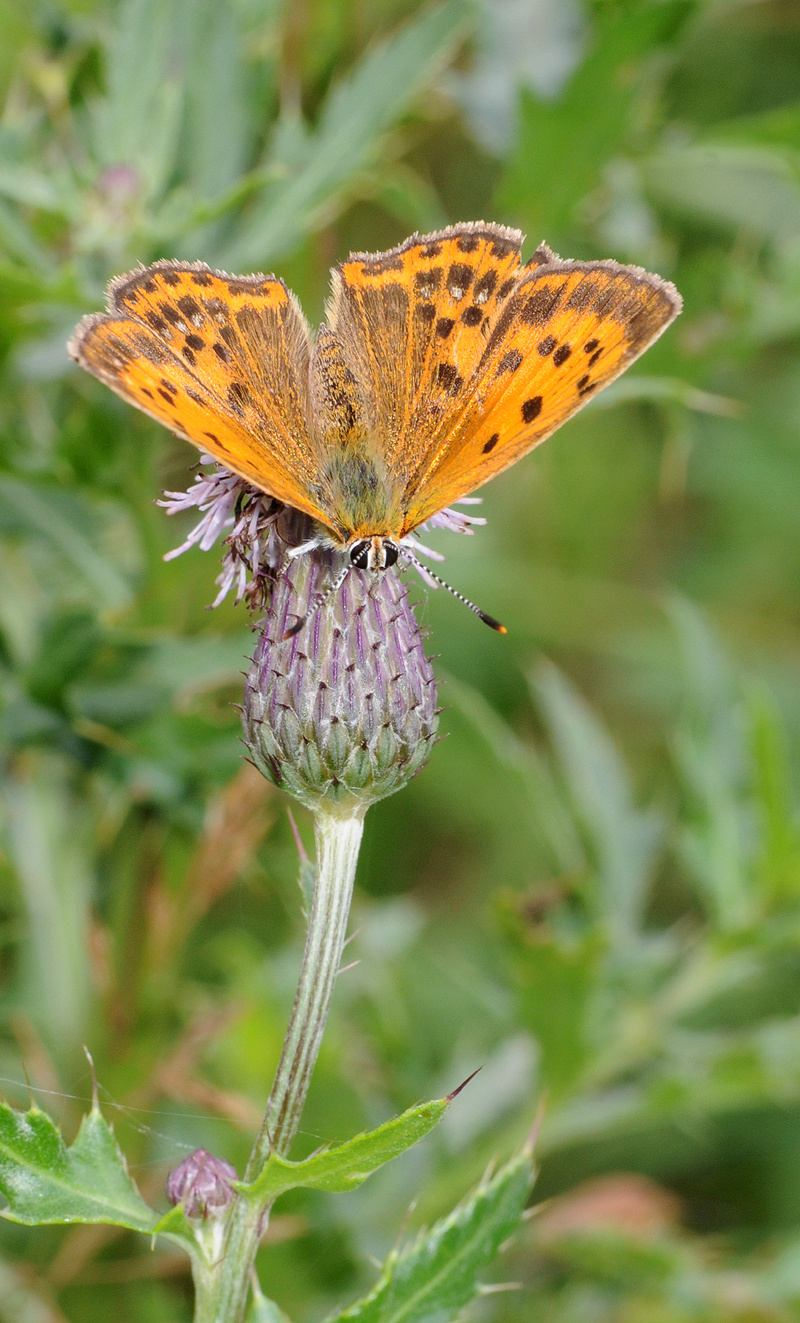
<point x="466" y="359"/>
<point x="221" y="361"/>
<point x="567" y="330"/>
<point x="412" y="325"/>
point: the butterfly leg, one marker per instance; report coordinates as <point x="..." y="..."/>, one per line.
<point x="313" y="544"/>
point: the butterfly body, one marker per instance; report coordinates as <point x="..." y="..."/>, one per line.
<point x="441" y="362"/>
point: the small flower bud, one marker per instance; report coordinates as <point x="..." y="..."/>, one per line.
<point x="344" y="712"/>
<point x="202" y="1183"/>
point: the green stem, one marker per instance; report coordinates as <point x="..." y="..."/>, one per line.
<point x="223" y="1298"/>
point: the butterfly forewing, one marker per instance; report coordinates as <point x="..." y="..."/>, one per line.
<point x="565" y="332"/>
<point x="219" y="360"/>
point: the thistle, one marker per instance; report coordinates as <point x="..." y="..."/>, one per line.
<point x="343" y="712"/>
<point x="339" y="712"/>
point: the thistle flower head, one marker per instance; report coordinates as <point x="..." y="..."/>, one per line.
<point x="202" y="1183"/>
<point x="344" y="712"/>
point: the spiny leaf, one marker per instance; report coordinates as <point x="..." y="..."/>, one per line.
<point x="44" y="1181"/>
<point x="437" y="1274"/>
<point x="347" y="1165"/>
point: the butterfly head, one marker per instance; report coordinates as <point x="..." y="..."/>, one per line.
<point x="373" y="553"/>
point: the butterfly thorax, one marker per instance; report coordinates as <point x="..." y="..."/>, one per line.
<point x="360" y="495"/>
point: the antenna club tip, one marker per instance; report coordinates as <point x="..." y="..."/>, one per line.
<point x="492" y="623"/>
<point x="290" y="633"/>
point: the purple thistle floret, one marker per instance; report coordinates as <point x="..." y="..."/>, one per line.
<point x="202" y="1183"/>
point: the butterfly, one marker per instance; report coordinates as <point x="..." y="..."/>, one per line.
<point x="440" y="363"/>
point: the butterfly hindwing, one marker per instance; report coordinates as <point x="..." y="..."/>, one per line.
<point x="221" y="361"/>
<point x="412" y="324"/>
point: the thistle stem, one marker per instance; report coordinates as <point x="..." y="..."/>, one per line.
<point x="223" y="1299"/>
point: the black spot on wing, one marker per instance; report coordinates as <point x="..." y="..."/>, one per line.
<point x="459" y="278"/>
<point x="547" y="346"/>
<point x="583" y="296"/>
<point x="503" y="247"/>
<point x="561" y="355"/>
<point x="189" y="307"/>
<point x="426" y="283"/>
<point x="540" y="307"/>
<point x="491" y="443"/>
<point x="448" y="378"/>
<point x="380" y="267"/>
<point x="170" y="313"/>
<point x="238" y="396"/>
<point x="217" y="309"/>
<point x="531" y="409"/>
<point x="484" y="288"/>
<point x="510" y="361"/>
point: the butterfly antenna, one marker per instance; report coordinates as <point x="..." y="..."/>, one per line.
<point x="423" y="569"/>
<point x="319" y="600"/>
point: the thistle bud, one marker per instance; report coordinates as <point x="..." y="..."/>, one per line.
<point x="202" y="1183"/>
<point x="344" y="712"/>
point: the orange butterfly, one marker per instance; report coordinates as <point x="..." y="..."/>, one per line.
<point x="441" y="362"/>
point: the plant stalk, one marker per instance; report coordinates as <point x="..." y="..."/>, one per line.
<point x="222" y="1298"/>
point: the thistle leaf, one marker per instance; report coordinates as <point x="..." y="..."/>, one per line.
<point x="435" y="1276"/>
<point x="44" y="1181"/>
<point x="347" y="1165"/>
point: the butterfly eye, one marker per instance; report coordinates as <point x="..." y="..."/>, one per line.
<point x="359" y="555"/>
<point x="390" y="554"/>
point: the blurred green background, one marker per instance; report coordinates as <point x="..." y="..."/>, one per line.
<point x="594" y="888"/>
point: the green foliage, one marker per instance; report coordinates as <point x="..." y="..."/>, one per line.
<point x="593" y="889"/>
<point x="436" y="1275"/>
<point x="45" y="1181"/>
<point x="346" y="1166"/>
